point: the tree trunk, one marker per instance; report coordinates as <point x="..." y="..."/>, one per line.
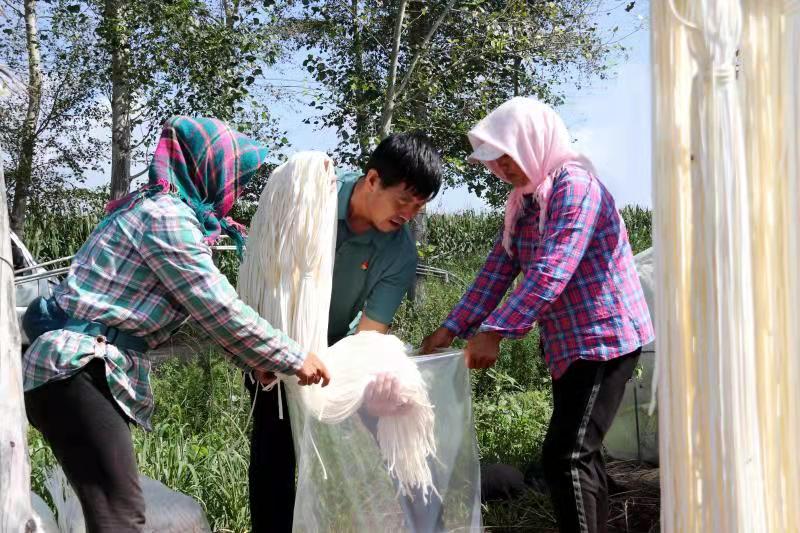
<point x="419" y="232"/>
<point x="362" y="117"/>
<point x="117" y="40"/>
<point x="393" y="90"/>
<point x="24" y="173"/>
<point x="419" y="109"/>
<point x="389" y="100"/>
<point x="15" y="470"/>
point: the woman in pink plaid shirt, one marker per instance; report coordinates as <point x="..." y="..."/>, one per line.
<point x="562" y="230"/>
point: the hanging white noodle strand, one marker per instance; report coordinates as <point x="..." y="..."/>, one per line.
<point x="771" y="88"/>
<point x="712" y="475"/>
<point x="726" y="209"/>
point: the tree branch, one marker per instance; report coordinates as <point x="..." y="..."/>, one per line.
<point x="44" y="124"/>
<point x="392" y="93"/>
<point x="13" y="8"/>
<point x="153" y="126"/>
<point x="388" y="106"/>
<point x="422" y="48"/>
<point x="142" y="173"/>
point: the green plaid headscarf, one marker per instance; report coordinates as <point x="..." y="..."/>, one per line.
<point x="207" y="164"/>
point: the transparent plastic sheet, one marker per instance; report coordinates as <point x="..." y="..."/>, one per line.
<point x="343" y="484"/>
<point x="634" y="434"/>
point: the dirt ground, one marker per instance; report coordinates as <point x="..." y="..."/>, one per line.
<point x="634" y="497"/>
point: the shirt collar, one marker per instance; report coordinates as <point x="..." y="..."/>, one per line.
<point x="378" y="238"/>
<point x="345" y="193"/>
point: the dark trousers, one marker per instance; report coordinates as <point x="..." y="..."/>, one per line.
<point x="271" y="474"/>
<point x="90" y="437"/>
<point x="585" y="401"/>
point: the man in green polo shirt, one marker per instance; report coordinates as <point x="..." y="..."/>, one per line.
<point x="374" y="267"/>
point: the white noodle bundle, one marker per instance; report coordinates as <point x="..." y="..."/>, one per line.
<point x="712" y="478"/>
<point x="286" y="276"/>
<point x="288" y="267"/>
<point x="726" y="233"/>
<point x="406" y="440"/>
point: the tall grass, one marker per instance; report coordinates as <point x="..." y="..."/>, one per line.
<point x="455" y="237"/>
<point x="60" y="227"/>
<point x="200" y="443"/>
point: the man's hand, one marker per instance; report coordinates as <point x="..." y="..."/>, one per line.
<point x="382" y="397"/>
<point x="482" y="350"/>
<point x="313" y="371"/>
<point x="441" y="338"/>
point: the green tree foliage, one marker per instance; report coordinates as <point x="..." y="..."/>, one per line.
<point x="481" y="53"/>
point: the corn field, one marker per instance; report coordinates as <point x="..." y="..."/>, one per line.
<point x="60" y="228"/>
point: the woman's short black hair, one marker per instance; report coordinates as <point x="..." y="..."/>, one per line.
<point x="408" y="158"/>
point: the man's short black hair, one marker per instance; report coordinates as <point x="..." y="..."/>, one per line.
<point x="408" y="158"/>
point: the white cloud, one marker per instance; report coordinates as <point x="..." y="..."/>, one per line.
<point x="614" y="129"/>
<point x="612" y="120"/>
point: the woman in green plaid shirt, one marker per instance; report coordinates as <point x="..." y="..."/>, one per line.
<point x="142" y="272"/>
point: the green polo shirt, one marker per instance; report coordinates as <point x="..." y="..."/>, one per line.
<point x="371" y="272"/>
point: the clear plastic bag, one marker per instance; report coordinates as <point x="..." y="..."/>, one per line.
<point x="344" y="486"/>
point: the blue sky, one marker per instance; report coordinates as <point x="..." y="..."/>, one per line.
<point x="610" y="119"/>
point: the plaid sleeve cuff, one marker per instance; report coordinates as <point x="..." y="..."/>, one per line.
<point x="296" y="358"/>
<point x="454" y="328"/>
<point x="506" y="333"/>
